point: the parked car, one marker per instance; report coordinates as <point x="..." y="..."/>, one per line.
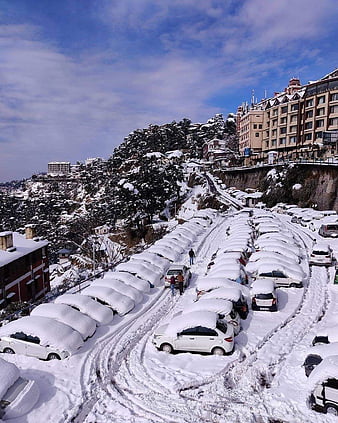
<point x="263" y="295"/>
<point x="329" y="230"/>
<point x="40" y="337"/>
<point x="17" y="395"/>
<point x="316" y="355"/>
<point x="199" y="331"/>
<point x="324" y="380"/>
<point x="321" y="255"/>
<point x="224" y="308"/>
<point x="174" y="270"/>
<point x="326" y="335"/>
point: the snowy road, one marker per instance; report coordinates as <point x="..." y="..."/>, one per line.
<point x="121" y="377"/>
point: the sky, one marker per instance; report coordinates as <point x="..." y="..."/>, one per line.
<point x="76" y="76"/>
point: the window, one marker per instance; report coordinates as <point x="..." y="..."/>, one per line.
<point x="282" y="141"/>
<point x="309" y="114"/>
<point x="273" y="142"/>
<point x="283" y="130"/>
<point x="320" y="112"/>
<point x="274" y="122"/>
<point x="294" y="106"/>
<point x="308" y="137"/>
<point x="256" y="134"/>
<point x="190" y="332"/>
<point x="333" y="109"/>
<point x="275" y="112"/>
<point x="207" y="331"/>
<point x="308" y="125"/>
<point x="293" y="128"/>
<point x="267" y="143"/>
<point x="309" y="103"/>
<point x="333" y="121"/>
<point x="334" y="97"/>
<point x="321" y="99"/>
<point x="284" y="109"/>
<point x="274" y="132"/>
<point x="292" y="140"/>
<point x="293" y="118"/>
<point x="319" y="123"/>
<point x="260" y="126"/>
<point x="283" y="120"/>
<point x="318" y="135"/>
<point x="255" y="126"/>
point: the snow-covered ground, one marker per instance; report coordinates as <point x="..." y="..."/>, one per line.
<point x="119" y="376"/>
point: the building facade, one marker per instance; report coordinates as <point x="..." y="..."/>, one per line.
<point x="301" y="118"/>
<point x="58" y="168"/>
<point x="24" y="267"/>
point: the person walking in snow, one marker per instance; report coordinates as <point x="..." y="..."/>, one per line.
<point x="172" y="285"/>
<point x="180" y="280"/>
<point x="192" y="256"/>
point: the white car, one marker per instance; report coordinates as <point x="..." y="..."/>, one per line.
<point x="199" y="331"/>
<point x="174" y="270"/>
<point x="263" y="295"/>
<point x="119" y="303"/>
<point x="321" y="254"/>
<point x="40" y="337"/>
<point x="17" y="395"/>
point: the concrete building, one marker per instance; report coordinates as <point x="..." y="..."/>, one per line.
<point x="24" y="268"/>
<point x="58" y="168"/>
<point x="301" y="118"/>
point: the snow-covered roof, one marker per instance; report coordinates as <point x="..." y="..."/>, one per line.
<point x="129" y="279"/>
<point x="262" y="286"/>
<point x="164" y="251"/>
<point x="120" y="287"/>
<point x="9" y="373"/>
<point x="118" y="302"/>
<point x="101" y="314"/>
<point x="23" y="247"/>
<point x="216" y="305"/>
<point x="152" y="259"/>
<point x="226" y="270"/>
<point x="63" y="313"/>
<point x="190" y="320"/>
<point x="49" y="331"/>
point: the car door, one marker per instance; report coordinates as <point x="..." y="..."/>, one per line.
<point x="34" y="349"/>
<point x="186" y="340"/>
<point x="206" y="339"/>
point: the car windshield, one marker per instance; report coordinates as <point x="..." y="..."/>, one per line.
<point x="172" y="272"/>
<point x="320" y="253"/>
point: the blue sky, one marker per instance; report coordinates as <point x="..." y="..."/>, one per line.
<point x="76" y="76"/>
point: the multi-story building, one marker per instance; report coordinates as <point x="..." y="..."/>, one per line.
<point x="58" y="168"/>
<point x="299" y="118"/>
<point x="24" y="269"/>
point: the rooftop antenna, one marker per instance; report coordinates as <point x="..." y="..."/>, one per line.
<point x="265" y="94"/>
<point x="253" y="97"/>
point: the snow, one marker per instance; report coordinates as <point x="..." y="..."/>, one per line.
<point x="9" y="374"/>
<point x="129" y="279"/>
<point x="262" y="286"/>
<point x="216" y="305"/>
<point x="120" y="287"/>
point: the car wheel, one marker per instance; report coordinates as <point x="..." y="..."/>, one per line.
<point x="331" y="409"/>
<point x="218" y="351"/>
<point x="53" y="356"/>
<point x="167" y="348"/>
<point x="9" y="351"/>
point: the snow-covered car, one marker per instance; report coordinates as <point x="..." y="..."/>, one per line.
<point x="63" y="313"/>
<point x="326" y="335"/>
<point x="329" y="230"/>
<point x="174" y="270"/>
<point x="199" y="331"/>
<point x="101" y="314"/>
<point x="120" y="287"/>
<point x="263" y="295"/>
<point x="316" y="354"/>
<point x="323" y="382"/>
<point x="321" y="255"/>
<point x="153" y="259"/>
<point x="129" y="279"/>
<point x="207" y="284"/>
<point x="230" y="270"/>
<point x="283" y="276"/>
<point x="224" y="308"/>
<point x="146" y="272"/>
<point x="232" y="294"/>
<point x="40" y="337"/>
<point x="119" y="303"/>
<point x="164" y="251"/>
<point x="17" y="395"/>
